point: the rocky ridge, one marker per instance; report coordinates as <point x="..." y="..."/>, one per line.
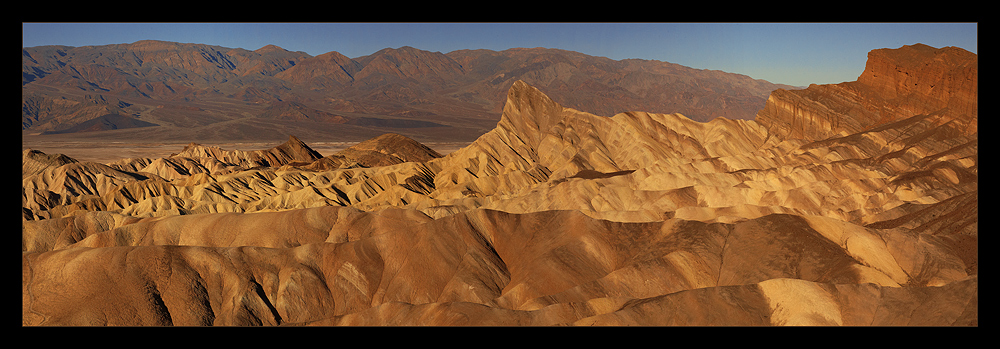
<point x="896" y="84"/>
<point x="554" y="217"/>
<point x="189" y="90"/>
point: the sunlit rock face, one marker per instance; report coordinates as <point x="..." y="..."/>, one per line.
<point x="896" y="84"/>
<point x="845" y="204"/>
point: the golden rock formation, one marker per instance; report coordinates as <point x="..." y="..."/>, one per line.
<point x="555" y="217"/>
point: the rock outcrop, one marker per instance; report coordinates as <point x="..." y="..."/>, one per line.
<point x="292" y="151"/>
<point x="896" y="84"/>
<point x="554" y="217"/>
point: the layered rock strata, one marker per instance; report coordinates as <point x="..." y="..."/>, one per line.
<point x="896" y="84"/>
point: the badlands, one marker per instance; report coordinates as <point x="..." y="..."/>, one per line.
<point x="853" y="204"/>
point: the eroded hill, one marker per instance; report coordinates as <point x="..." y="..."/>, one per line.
<point x="554" y="217"/>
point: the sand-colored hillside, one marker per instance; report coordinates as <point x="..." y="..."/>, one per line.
<point x="670" y="166"/>
<point x="339" y="266"/>
<point x="554" y="217"/>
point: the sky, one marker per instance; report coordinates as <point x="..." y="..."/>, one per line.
<point x="796" y="54"/>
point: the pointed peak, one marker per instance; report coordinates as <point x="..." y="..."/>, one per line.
<point x="299" y="150"/>
<point x="335" y="57"/>
<point x="389" y="149"/>
<point x="296" y="142"/>
<point x="270" y="48"/>
<point x="332" y="54"/>
<point x="519" y="84"/>
<point x="52" y="159"/>
<point x="527" y="96"/>
<point x="529" y="112"/>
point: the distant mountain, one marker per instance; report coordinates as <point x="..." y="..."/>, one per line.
<point x="104" y="123"/>
<point x="606" y="87"/>
<point x="297" y="111"/>
<point x="455" y="95"/>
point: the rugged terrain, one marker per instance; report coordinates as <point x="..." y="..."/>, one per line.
<point x="178" y="92"/>
<point x="556" y="216"/>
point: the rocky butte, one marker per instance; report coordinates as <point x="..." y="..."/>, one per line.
<point x="853" y="204"/>
<point x="896" y="84"/>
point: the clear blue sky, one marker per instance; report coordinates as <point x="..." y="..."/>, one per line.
<point x="788" y="53"/>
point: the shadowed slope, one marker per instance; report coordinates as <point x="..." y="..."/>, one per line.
<point x="293" y="150"/>
<point x="510" y="269"/>
<point x="104" y="122"/>
<point x="384" y="150"/>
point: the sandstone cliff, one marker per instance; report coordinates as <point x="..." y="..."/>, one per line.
<point x="896" y="84"/>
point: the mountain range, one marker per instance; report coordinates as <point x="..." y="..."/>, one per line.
<point x="197" y="92"/>
<point x="853" y="204"/>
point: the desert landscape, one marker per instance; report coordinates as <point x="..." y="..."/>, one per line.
<point x="169" y="184"/>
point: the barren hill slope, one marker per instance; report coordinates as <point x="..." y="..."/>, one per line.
<point x="103" y="123"/>
<point x="491" y="268"/>
<point x="554" y="217"/>
<point x="196" y="92"/>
